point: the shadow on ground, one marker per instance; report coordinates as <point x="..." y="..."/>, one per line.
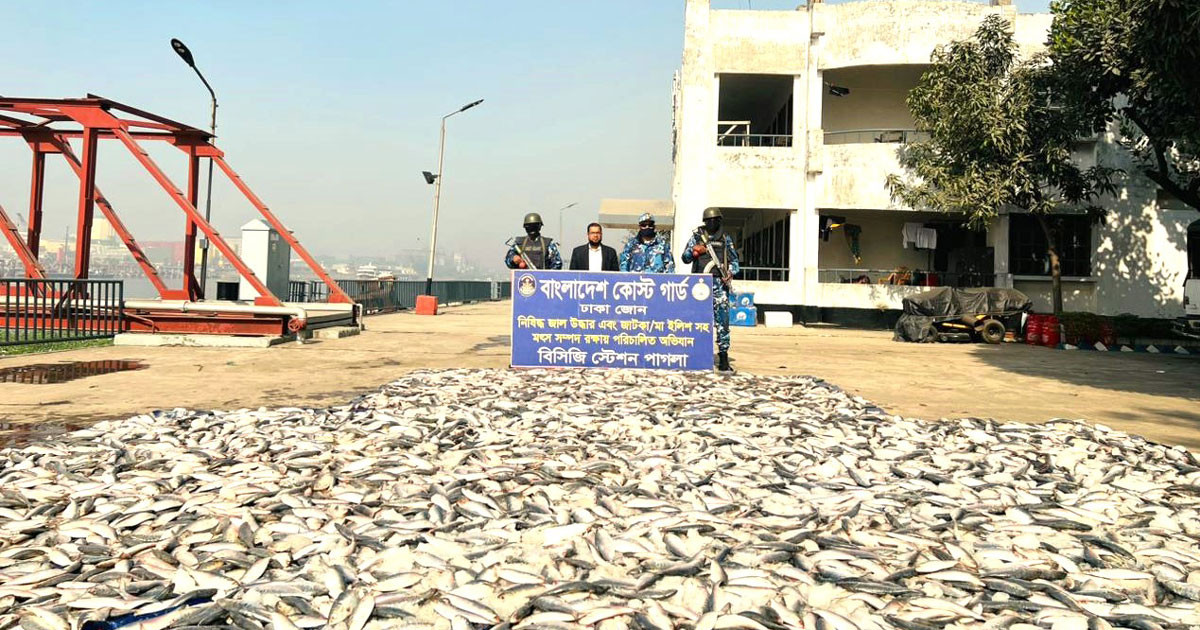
<point x="1143" y="373"/>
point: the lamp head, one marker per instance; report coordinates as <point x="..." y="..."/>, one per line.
<point x="183" y="52"/>
<point x="429" y="177"/>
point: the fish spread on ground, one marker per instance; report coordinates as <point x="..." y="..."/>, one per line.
<point x="554" y="500"/>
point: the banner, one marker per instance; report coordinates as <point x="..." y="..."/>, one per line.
<point x="612" y="320"/>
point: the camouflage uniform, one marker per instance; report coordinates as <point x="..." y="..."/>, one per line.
<point x="652" y="257"/>
<point x="543" y="252"/>
<point x="720" y="292"/>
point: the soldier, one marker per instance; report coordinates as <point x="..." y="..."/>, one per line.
<point x="647" y="252"/>
<point x="539" y="250"/>
<point x="710" y="250"/>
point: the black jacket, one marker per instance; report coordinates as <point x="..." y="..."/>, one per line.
<point x="608" y="258"/>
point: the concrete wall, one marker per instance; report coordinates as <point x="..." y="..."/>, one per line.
<point x="894" y="32"/>
<point x="855" y="175"/>
<point x="877" y="99"/>
<point x="878" y="109"/>
<point x="1077" y="295"/>
<point x="1140" y="262"/>
<point x="880" y="296"/>
<point x="753" y="178"/>
<point x="753" y="42"/>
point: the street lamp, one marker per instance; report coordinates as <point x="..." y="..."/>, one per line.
<point x="436" y="180"/>
<point x="186" y="55"/>
<point x="560" y="222"/>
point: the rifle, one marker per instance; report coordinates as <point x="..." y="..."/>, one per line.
<point x="726" y="275"/>
<point x="512" y="242"/>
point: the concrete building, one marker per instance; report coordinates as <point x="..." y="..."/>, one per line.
<point x="791" y="121"/>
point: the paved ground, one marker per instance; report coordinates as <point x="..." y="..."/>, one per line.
<point x="1152" y="395"/>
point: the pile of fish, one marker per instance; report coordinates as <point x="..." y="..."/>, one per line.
<point x="474" y="499"/>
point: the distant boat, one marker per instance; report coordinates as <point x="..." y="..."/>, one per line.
<point x="367" y="272"/>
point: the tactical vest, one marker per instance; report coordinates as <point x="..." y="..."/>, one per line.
<point x="715" y="251"/>
<point x="537" y="251"/>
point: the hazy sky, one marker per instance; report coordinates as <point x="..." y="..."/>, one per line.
<point x="330" y="113"/>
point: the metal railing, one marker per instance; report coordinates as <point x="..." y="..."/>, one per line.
<point x="386" y="296"/>
<point x="868" y="136"/>
<point x="755" y="140"/>
<point x="49" y="311"/>
<point x="763" y="274"/>
<point x="736" y="133"/>
<point x="911" y="277"/>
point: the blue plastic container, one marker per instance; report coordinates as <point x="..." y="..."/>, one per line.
<point x="743" y="316"/>
<point x="742" y="299"/>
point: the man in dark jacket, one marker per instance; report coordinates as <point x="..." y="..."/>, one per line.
<point x="595" y="255"/>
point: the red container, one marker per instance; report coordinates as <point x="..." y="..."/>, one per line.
<point x="427" y="305"/>
<point x="1033" y="329"/>
<point x="1050" y="332"/>
<point x="1108" y="335"/>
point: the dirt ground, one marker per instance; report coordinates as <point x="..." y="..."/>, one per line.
<point x="1157" y="396"/>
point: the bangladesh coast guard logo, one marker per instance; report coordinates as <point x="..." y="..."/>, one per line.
<point x="700" y="291"/>
<point x="526" y="285"/>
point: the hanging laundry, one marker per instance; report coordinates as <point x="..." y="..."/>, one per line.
<point x="909" y="233"/>
<point x="927" y="238"/>
<point x="919" y="236"/>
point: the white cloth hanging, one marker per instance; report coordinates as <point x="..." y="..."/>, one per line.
<point x="919" y="236"/>
<point x="927" y="238"/>
<point x="909" y="234"/>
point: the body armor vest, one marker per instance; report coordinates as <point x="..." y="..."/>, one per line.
<point x="716" y="251"/>
<point x="536" y="250"/>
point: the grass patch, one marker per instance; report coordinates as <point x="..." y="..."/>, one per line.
<point x="52" y="346"/>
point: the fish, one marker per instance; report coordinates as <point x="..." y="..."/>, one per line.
<point x="535" y="499"/>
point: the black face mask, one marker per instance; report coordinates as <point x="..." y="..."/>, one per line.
<point x="646" y="232"/>
<point x="712" y="225"/>
<point x="533" y="229"/>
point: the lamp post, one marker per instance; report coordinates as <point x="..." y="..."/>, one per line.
<point x="186" y="55"/>
<point x="436" y="180"/>
<point x="560" y="221"/>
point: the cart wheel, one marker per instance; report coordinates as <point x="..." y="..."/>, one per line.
<point x="992" y="331"/>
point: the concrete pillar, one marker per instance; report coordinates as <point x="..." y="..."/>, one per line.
<point x="998" y="233"/>
<point x="268" y="256"/>
<point x="696" y="117"/>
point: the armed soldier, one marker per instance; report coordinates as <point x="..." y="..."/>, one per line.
<point x="533" y="249"/>
<point x="710" y="250"/>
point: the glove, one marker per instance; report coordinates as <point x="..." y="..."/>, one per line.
<point x="521" y="264"/>
<point x="517" y="260"/>
<point x="698" y="250"/>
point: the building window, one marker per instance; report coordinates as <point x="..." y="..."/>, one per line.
<point x="1027" y="245"/>
<point x="755" y="110"/>
<point x="763" y="241"/>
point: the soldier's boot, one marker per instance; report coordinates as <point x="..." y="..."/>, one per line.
<point x="723" y="363"/>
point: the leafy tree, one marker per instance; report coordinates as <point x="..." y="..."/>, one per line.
<point x="998" y="139"/>
<point x="1137" y="62"/>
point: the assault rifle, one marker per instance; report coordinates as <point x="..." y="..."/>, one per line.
<point x="512" y="242"/>
<point x="726" y="276"/>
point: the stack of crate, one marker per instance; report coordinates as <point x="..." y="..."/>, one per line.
<point x="742" y="311"/>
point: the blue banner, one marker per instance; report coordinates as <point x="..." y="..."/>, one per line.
<point x="613" y="320"/>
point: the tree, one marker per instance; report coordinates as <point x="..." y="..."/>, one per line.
<point x="1137" y="62"/>
<point x="998" y="139"/>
